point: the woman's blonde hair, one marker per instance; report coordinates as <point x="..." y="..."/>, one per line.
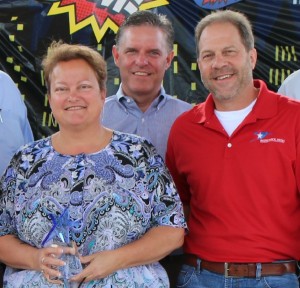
<point x="62" y="52"/>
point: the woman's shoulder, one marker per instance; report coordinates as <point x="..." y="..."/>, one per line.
<point x="135" y="145"/>
<point x="39" y="144"/>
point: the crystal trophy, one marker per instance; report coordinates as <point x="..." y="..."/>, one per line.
<point x="59" y="235"/>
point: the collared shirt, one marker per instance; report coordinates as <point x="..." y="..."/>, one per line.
<point x="243" y="189"/>
<point x="15" y="129"/>
<point x="123" y="114"/>
<point x="291" y="85"/>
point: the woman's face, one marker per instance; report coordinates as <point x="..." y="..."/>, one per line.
<point x="75" y="96"/>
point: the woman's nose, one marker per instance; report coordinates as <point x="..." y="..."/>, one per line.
<point x="73" y="95"/>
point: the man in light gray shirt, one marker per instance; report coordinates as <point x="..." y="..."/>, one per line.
<point x="291" y="85"/>
<point x="15" y="129"/>
<point x="143" y="52"/>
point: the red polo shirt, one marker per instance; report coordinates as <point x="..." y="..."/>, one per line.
<point x="243" y="190"/>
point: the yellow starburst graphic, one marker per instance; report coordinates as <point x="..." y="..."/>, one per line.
<point x="100" y="14"/>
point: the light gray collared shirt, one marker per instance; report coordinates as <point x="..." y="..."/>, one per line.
<point x="121" y="113"/>
<point x="15" y="130"/>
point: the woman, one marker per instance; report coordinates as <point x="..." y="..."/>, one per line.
<point x="108" y="192"/>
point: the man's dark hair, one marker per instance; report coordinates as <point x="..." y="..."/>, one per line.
<point x="145" y="17"/>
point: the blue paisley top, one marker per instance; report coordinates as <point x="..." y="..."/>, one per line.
<point x="113" y="197"/>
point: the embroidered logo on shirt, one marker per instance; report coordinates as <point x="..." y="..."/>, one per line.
<point x="261" y="137"/>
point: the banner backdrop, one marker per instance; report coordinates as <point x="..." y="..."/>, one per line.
<point x="27" y="28"/>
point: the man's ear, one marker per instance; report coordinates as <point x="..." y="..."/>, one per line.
<point x="115" y="54"/>
<point x="170" y="57"/>
<point x="253" y="57"/>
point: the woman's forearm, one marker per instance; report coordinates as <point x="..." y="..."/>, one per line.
<point x="153" y="246"/>
<point x="17" y="254"/>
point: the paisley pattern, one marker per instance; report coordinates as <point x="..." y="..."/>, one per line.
<point x="113" y="197"/>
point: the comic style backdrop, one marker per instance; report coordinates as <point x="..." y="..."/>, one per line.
<point x="28" y="26"/>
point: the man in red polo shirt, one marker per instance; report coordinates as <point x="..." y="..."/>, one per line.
<point x="236" y="162"/>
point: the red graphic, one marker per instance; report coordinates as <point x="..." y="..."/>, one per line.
<point x="84" y="9"/>
<point x="100" y="14"/>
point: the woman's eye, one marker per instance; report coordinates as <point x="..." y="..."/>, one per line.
<point x="60" y="89"/>
<point x="85" y="87"/>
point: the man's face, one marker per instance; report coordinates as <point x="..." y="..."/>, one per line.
<point x="225" y="65"/>
<point x="142" y="57"/>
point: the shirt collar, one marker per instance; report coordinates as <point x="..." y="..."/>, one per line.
<point x="266" y="105"/>
<point x="157" y="103"/>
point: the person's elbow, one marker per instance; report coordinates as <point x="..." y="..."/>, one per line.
<point x="177" y="237"/>
<point x="181" y="237"/>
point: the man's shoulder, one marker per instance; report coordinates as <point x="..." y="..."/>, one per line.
<point x="111" y="99"/>
<point x="293" y="77"/>
<point x="290" y="86"/>
<point x="5" y="76"/>
<point x="288" y="102"/>
<point x="176" y="102"/>
<point x="191" y="115"/>
<point x="7" y="82"/>
<point x="111" y="105"/>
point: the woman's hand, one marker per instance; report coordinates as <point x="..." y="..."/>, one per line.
<point x="97" y="266"/>
<point x="49" y="261"/>
<point x="153" y="246"/>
